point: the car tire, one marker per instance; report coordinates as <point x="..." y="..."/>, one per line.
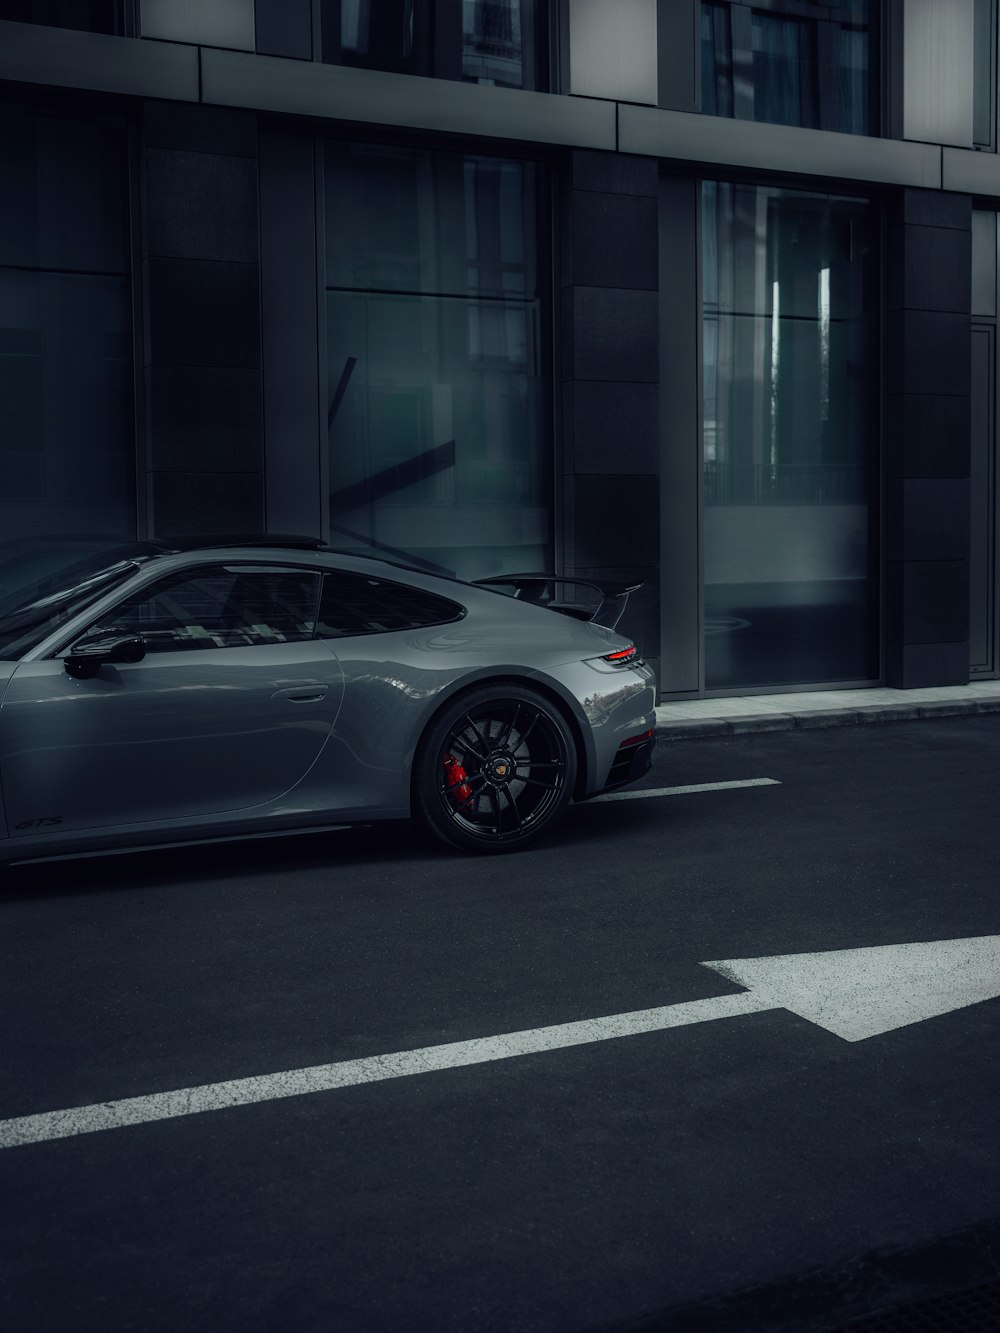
<point x="494" y="769"/>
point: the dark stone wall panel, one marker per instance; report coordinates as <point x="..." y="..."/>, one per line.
<point x="935" y="602"/>
<point x="929" y="519"/>
<point x="201" y="206"/>
<point x="931" y="352"/>
<point x="612" y="427"/>
<point x="915" y="666"/>
<point x="590" y="260"/>
<point x="205" y="419"/>
<point x="928" y="436"/>
<point x="199" y="129"/>
<point x="931" y="208"/>
<point x="203" y="314"/>
<point x="609" y="311"/>
<point x="929" y="268"/>
<point x="929" y="359"/>
<point x="616" y="521"/>
<point x="610" y="334"/>
<point x="187" y="504"/>
<point x="613" y="173"/>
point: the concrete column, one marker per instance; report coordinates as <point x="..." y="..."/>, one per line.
<point x="610" y="373"/>
<point x="928" y="365"/>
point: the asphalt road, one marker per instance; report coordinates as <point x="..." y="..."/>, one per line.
<point x="757" y="1172"/>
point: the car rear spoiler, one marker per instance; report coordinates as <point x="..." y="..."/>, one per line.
<point x="554" y="591"/>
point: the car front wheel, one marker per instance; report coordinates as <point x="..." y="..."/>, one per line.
<point x="494" y="769"/>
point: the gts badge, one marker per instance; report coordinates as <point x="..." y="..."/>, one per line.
<point x="47" y="821"/>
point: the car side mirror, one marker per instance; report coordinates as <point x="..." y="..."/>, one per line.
<point x="87" y="659"/>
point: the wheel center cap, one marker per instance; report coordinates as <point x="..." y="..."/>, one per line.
<point x="500" y="767"/>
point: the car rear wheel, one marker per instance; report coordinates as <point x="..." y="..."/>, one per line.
<point x="494" y="769"/>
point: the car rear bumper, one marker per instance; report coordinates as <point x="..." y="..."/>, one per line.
<point x="632" y="760"/>
<point x="617" y="711"/>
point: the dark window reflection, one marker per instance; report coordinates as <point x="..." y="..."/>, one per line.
<point x="217" y="607"/>
<point x="66" y="433"/>
<point x="479" y="41"/>
<point x="359" y="604"/>
<point x="438" y="446"/>
<point x="784" y="82"/>
<point x="89" y="15"/>
<point x="791" y="62"/>
<point x="790" y="437"/>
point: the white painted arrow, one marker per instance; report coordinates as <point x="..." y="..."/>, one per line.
<point x="854" y="993"/>
<point x="858" y="993"/>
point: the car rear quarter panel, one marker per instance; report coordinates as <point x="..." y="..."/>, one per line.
<point x="395" y="683"/>
<point x="616" y="705"/>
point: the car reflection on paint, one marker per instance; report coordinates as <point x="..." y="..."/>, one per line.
<point x="159" y="692"/>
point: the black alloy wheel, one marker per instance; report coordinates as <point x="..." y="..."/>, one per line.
<point x="494" y="769"/>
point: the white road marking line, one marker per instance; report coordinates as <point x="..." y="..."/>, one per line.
<point x="685" y="791"/>
<point x="853" y="993"/>
<point x="371" y="1069"/>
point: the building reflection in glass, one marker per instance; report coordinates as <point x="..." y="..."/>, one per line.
<point x="790" y="437"/>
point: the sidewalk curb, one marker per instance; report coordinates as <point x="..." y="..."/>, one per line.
<point x="822" y="718"/>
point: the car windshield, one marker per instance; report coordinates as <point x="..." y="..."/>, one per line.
<point x="43" y="584"/>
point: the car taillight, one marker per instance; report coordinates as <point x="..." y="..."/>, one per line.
<point x="637" y="740"/>
<point x="622" y="656"/>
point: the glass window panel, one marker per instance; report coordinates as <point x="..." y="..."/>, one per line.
<point x="435" y="449"/>
<point x="497" y="44"/>
<point x="429" y="222"/>
<point x="716" y="68"/>
<point x="790" y="437"/>
<point x="219" y="607"/>
<point x="66" y="438"/>
<point x="393" y="35"/>
<point x="788" y="62"/>
<point x="357" y="604"/>
<point x="437" y="440"/>
<point x="783" y="70"/>
<point x="480" y="41"/>
<point x="90" y="15"/>
<point x="63" y="193"/>
<point x="853" y="81"/>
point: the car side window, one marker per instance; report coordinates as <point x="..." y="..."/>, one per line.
<point x="218" y="606"/>
<point x="362" y="604"/>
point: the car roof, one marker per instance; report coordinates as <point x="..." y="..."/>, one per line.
<point x="277" y="542"/>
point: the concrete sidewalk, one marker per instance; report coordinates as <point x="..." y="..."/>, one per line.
<point x="823" y="708"/>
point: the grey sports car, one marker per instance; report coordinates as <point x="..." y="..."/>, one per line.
<point x="152" y="694"/>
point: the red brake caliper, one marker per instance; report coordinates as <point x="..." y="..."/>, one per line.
<point x="455" y="776"/>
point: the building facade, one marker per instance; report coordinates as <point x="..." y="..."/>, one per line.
<point x="693" y="292"/>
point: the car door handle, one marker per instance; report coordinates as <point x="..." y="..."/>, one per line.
<point x="301" y="694"/>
